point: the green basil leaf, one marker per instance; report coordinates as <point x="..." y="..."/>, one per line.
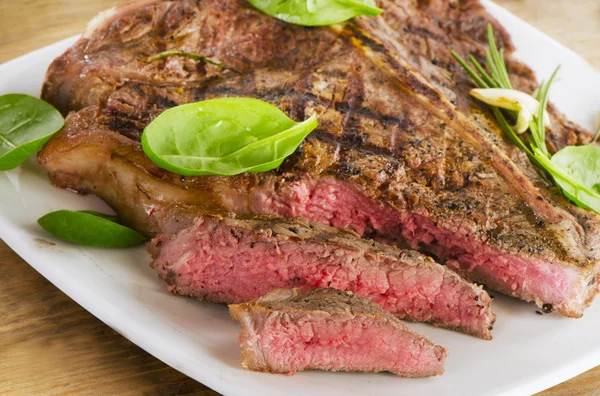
<point x="89" y="228"/>
<point x="580" y="175"/>
<point x="316" y="12"/>
<point x="223" y="137"/>
<point x="26" y="123"/>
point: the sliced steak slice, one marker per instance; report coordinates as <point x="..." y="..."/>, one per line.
<point x="229" y="260"/>
<point x="392" y="157"/>
<point x="287" y="331"/>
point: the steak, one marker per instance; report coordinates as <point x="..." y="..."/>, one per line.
<point x="287" y="331"/>
<point x="232" y="260"/>
<point x="401" y="152"/>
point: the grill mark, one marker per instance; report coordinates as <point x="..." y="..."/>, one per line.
<point x="354" y="98"/>
<point x="348" y="145"/>
<point x="161" y="101"/>
<point x="353" y="31"/>
<point x="340" y="105"/>
<point x="276" y="94"/>
<point x="410" y="83"/>
<point x="301" y="95"/>
<point x="386" y="120"/>
<point x="124" y="126"/>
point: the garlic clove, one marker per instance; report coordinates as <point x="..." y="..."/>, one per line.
<point x="510" y="99"/>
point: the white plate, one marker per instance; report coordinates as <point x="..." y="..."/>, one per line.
<point x="528" y="354"/>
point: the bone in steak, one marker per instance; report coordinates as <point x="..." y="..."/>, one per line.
<point x="287" y="331"/>
<point x="228" y="260"/>
<point x="401" y="150"/>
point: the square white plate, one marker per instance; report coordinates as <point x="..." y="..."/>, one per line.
<point x="528" y="354"/>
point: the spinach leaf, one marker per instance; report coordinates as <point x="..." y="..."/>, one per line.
<point x="223" y="137"/>
<point x="26" y="123"/>
<point x="89" y="228"/>
<point x="316" y="12"/>
<point x="580" y="175"/>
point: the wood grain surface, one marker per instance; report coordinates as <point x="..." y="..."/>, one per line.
<point x="49" y="345"/>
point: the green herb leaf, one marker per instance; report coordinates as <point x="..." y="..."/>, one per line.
<point x="26" y="123"/>
<point x="477" y="79"/>
<point x="89" y="228"/>
<point x="486" y="77"/>
<point x="223" y="137"/>
<point x="496" y="61"/>
<point x="316" y="12"/>
<point x="538" y="129"/>
<point x="576" y="170"/>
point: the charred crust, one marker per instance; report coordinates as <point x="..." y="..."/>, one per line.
<point x="162" y="101"/>
<point x="356" y="33"/>
<point x="235" y="235"/>
<point x="348" y="170"/>
<point x="170" y="277"/>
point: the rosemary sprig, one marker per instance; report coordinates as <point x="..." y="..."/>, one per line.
<point x="499" y="78"/>
<point x="484" y="75"/>
<point x="496" y="62"/>
<point x="574" y="169"/>
<point x="537" y="125"/>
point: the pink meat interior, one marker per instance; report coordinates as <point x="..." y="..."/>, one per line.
<point x="333" y="202"/>
<point x="233" y="265"/>
<point x="291" y="343"/>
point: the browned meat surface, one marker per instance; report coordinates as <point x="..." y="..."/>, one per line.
<point x="234" y="260"/>
<point x="288" y="330"/>
<point x="401" y="150"/>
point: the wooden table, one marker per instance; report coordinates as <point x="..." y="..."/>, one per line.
<point x="50" y="345"/>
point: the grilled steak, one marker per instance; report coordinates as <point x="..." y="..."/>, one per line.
<point x="401" y="151"/>
<point x="287" y="331"/>
<point x="230" y="260"/>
